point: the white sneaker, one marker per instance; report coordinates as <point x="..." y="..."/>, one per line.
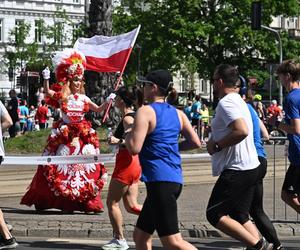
<point x="116" y="244"/>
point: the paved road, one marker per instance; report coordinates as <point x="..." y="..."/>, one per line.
<point x="93" y="244"/>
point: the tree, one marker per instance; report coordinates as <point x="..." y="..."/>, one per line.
<point x="98" y="85"/>
<point x="213" y="31"/>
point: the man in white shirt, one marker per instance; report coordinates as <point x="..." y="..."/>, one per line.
<point x="6" y="241"/>
<point x="234" y="158"/>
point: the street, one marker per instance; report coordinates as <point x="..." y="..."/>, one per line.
<point x="90" y="244"/>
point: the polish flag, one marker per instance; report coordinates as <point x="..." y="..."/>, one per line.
<point x="107" y="54"/>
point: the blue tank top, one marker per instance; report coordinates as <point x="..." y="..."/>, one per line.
<point x="256" y="132"/>
<point x="159" y="157"/>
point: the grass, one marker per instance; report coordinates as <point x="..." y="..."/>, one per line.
<point x="34" y="143"/>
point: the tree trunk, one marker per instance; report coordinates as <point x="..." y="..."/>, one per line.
<point x="99" y="85"/>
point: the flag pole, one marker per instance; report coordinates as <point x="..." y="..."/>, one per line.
<point x="121" y="74"/>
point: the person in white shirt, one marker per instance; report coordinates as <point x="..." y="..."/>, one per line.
<point x="7" y="241"/>
<point x="234" y="160"/>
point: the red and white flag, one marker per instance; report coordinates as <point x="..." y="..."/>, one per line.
<point x="107" y="54"/>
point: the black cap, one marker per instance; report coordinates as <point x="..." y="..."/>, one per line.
<point x="160" y="77"/>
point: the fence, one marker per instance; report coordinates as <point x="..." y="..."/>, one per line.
<point x="277" y="168"/>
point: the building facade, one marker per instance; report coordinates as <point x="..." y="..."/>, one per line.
<point x="15" y="12"/>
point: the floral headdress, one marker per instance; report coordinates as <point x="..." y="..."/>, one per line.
<point x="68" y="64"/>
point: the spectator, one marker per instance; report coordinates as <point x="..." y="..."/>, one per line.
<point x="7" y="241"/>
<point x="274" y="113"/>
<point x="41" y="115"/>
<point x="31" y="118"/>
<point x="196" y="118"/>
<point x="204" y="122"/>
<point x="24" y="113"/>
<point x="12" y="108"/>
<point x="188" y="110"/>
<point x="40" y="96"/>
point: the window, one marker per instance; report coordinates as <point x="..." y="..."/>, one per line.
<point x="183" y="82"/>
<point x="38" y="31"/>
<point x="19" y="24"/>
<point x="1" y="30"/>
<point x="58" y="33"/>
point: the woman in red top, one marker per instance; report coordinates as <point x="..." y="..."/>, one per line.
<point x="41" y="115"/>
<point x="127" y="171"/>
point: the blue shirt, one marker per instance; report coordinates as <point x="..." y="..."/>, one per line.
<point x="196" y="109"/>
<point x="188" y="111"/>
<point x="159" y="157"/>
<point x="256" y="132"/>
<point x="24" y="111"/>
<point x="291" y="108"/>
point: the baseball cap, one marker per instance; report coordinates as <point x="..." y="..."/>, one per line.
<point x="160" y="77"/>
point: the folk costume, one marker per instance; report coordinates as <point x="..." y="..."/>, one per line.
<point x="70" y="187"/>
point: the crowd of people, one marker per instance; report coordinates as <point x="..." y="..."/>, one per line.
<point x="28" y="118"/>
<point x="150" y="137"/>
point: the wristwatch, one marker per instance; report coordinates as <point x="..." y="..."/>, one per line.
<point x="121" y="141"/>
<point x="217" y="147"/>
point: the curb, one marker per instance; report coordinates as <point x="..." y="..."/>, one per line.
<point x="103" y="230"/>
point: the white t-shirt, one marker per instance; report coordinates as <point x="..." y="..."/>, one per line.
<point x="241" y="156"/>
<point x="3" y="111"/>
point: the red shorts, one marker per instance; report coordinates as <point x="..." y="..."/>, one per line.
<point x="127" y="169"/>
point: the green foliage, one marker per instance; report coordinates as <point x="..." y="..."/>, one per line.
<point x="34" y="142"/>
<point x="260" y="75"/>
<point x="34" y="54"/>
<point x="213" y="32"/>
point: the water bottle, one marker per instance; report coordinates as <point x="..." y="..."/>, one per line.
<point x="113" y="148"/>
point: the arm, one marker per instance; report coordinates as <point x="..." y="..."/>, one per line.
<point x="294" y="128"/>
<point x="6" y="121"/>
<point x="47" y="90"/>
<point x="127" y="123"/>
<point x="143" y="125"/>
<point x="239" y="131"/>
<point x="192" y="140"/>
<point x="263" y="130"/>
<point x="96" y="108"/>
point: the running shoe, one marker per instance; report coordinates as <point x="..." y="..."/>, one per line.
<point x="264" y="246"/>
<point x="8" y="244"/>
<point x="116" y="244"/>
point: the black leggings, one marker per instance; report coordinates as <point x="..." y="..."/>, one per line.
<point x="257" y="212"/>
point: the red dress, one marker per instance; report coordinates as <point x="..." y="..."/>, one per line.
<point x="71" y="187"/>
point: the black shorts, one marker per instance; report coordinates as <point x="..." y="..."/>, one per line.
<point x="233" y="191"/>
<point x="160" y="209"/>
<point x="291" y="182"/>
<point x="196" y="122"/>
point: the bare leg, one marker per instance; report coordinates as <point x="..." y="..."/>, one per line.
<point x="236" y="230"/>
<point x="251" y="228"/>
<point x="143" y="240"/>
<point x="130" y="199"/>
<point x="116" y="191"/>
<point x="176" y="242"/>
<point x="3" y="228"/>
<point x="292" y="200"/>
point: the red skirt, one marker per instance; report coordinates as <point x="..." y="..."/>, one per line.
<point x="70" y="187"/>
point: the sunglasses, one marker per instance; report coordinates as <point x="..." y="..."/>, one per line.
<point x="144" y="83"/>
